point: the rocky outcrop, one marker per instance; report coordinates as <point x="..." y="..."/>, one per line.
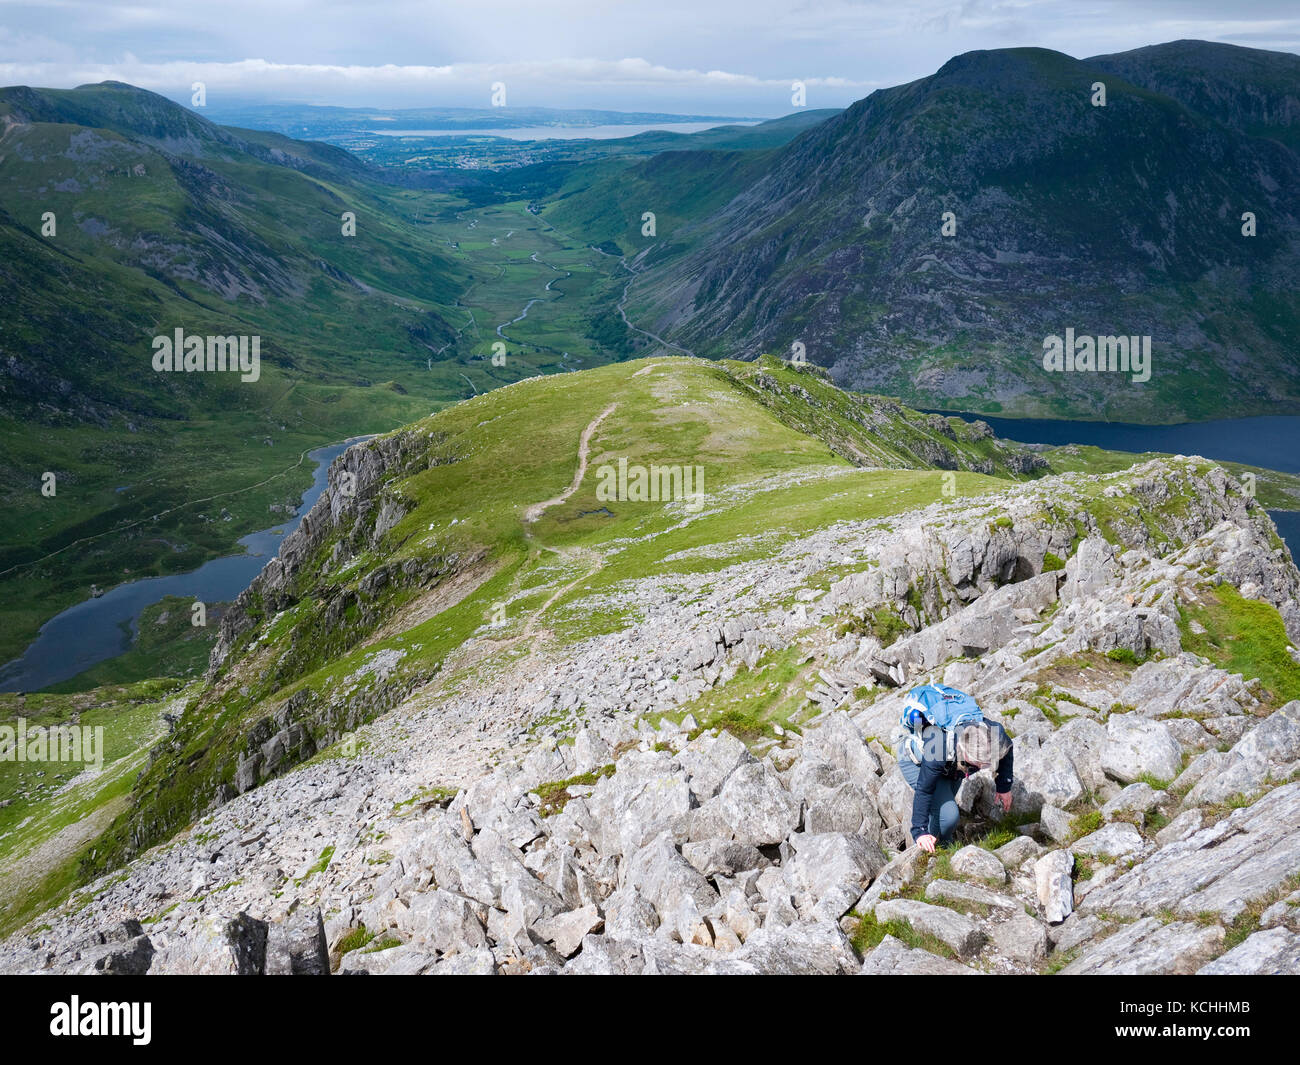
<point x="597" y="827"/>
<point x="353" y="513"/>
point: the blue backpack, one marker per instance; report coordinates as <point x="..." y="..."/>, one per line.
<point x="939" y="705"/>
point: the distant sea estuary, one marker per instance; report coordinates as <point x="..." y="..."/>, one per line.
<point x="1272" y="442"/>
<point x="565" y="133"/>
<point x="99" y="629"/>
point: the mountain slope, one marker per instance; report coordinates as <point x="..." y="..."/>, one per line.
<point x="164" y="220"/>
<point x="1123" y="219"/>
<point x="480" y="538"/>
<point x="632" y="736"/>
<point x="1248" y="89"/>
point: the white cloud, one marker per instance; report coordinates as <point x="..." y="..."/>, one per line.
<point x="528" y="83"/>
<point x="723" y="56"/>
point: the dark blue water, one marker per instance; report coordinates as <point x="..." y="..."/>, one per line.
<point x="1272" y="442"/>
<point x="99" y="629"/>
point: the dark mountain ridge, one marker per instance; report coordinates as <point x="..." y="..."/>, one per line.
<point x="1116" y="219"/>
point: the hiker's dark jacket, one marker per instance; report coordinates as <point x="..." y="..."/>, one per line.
<point x="930" y="771"/>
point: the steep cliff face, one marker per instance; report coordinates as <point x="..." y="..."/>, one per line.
<point x="1116" y="219"/>
<point x="352" y="515"/>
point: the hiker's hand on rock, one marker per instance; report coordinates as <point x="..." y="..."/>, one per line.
<point x="926" y="843"/>
<point x="1004" y="800"/>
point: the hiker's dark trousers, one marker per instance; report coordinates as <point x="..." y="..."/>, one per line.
<point x="944" y="812"/>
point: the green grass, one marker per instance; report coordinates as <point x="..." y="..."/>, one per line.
<point x="429" y="794"/>
<point x="773" y="693"/>
<point x="355" y="940"/>
<point x="319" y="866"/>
<point x="1052" y="562"/>
<point x="1243" y="636"/>
<point x="1123" y="654"/>
<point x="555" y="794"/>
<point x="869" y="933"/>
<point x="54" y="809"/>
<point x="1086" y="823"/>
<point x="882" y="622"/>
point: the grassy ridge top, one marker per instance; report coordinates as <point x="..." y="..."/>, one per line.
<point x="476" y="531"/>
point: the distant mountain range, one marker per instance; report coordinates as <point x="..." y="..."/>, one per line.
<point x="1118" y="219"/>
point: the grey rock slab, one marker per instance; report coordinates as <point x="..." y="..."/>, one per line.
<point x="1018" y="851"/>
<point x="900" y="872"/>
<point x="405" y="959"/>
<point x="1075" y="930"/>
<point x="958" y="891"/>
<point x="590" y="752"/>
<point x="894" y="799"/>
<point x="1136" y="746"/>
<point x="836" y="741"/>
<point x="1119" y="839"/>
<point x="752" y="807"/>
<point x="478" y="962"/>
<point x="725" y="856"/>
<point x="297" y="947"/>
<point x="979" y="864"/>
<point x="1264" y="752"/>
<point x="630" y="916"/>
<point x="647" y="795"/>
<point x="442" y="921"/>
<point x="1138" y="798"/>
<point x="663" y="877"/>
<point x="1056" y="824"/>
<point x="1220" y="869"/>
<point x="1283" y="912"/>
<point x="849" y="808"/>
<point x="954" y="929"/>
<point x="1021" y="938"/>
<point x="1099" y="877"/>
<point x="893" y="958"/>
<point x="1147" y="947"/>
<point x="831" y="869"/>
<point x="1082" y="740"/>
<point x="710" y="760"/>
<point x="1054" y="885"/>
<point x="131" y="958"/>
<point x="216" y="945"/>
<point x="811" y="780"/>
<point x="1045" y="776"/>
<point x="807" y="948"/>
<point x="1272" y="952"/>
<point x="606" y="956"/>
<point x="567" y="930"/>
<point x="1182" y="826"/>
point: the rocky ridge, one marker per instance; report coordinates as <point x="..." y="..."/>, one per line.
<point x="1155" y="824"/>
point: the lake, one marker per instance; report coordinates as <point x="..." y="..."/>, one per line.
<point x="1272" y="442"/>
<point x="99" y="629"/>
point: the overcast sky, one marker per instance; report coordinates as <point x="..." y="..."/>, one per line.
<point x="733" y="57"/>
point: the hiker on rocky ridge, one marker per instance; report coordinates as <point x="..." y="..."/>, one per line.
<point x="948" y="740"/>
